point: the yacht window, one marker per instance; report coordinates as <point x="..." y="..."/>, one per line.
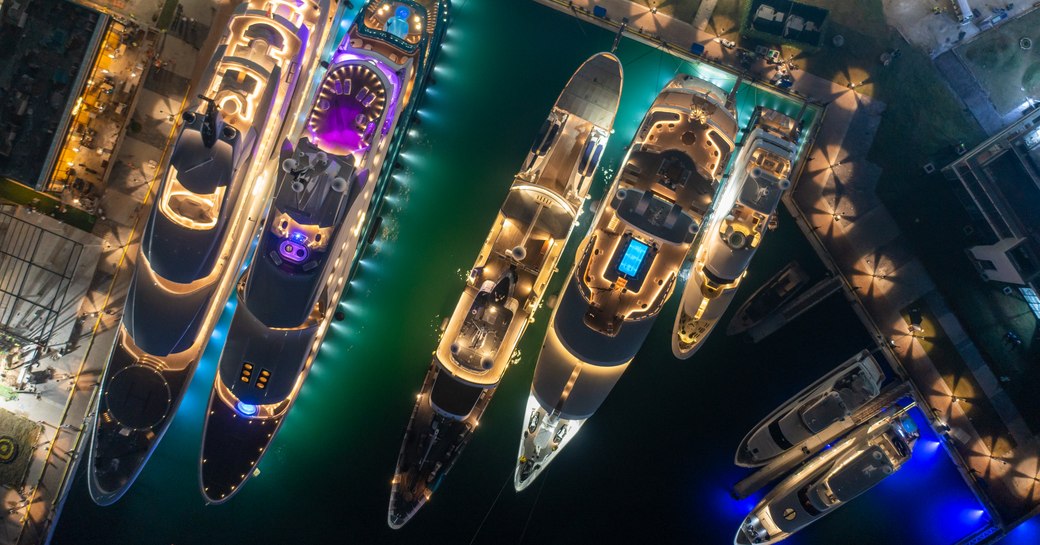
<point x="542" y="131"/>
<point x="549" y="139"/>
<point x="803" y="498"/>
<point x="901" y="446"/>
<point x="778" y="435"/>
<point x="590" y="158"/>
<point x="246" y="374"/>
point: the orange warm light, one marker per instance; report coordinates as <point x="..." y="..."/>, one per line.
<point x="379" y="14"/>
<point x="190" y="210"/>
<point x="88" y="101"/>
<point x="263" y="412"/>
<point x="317" y="237"/>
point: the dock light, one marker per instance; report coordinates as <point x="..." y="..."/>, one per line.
<point x="245" y="409"/>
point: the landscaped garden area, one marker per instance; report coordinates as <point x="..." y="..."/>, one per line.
<point x="1006" y="61"/>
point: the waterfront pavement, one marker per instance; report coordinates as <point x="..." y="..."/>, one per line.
<point x="96" y="131"/>
<point x="934" y="27"/>
<point x="835" y="203"/>
<point x="66" y="405"/>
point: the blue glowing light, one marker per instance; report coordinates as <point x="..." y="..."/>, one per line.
<point x="245" y="409"/>
<point x="398" y="25"/>
<point x="1028" y="533"/>
<point x="633" y="258"/>
<point x="293" y="250"/>
<point x="951" y="511"/>
<point x="725" y="507"/>
<point x="926" y="449"/>
<point x="909" y="425"/>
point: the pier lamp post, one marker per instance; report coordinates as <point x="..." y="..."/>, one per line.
<point x="916" y="319"/>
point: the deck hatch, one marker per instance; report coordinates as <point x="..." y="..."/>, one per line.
<point x="246" y="374"/>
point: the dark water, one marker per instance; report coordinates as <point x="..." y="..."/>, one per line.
<point x="653" y="465"/>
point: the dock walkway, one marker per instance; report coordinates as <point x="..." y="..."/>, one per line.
<point x="125" y="201"/>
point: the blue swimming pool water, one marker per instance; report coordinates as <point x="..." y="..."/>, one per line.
<point x="633" y="258"/>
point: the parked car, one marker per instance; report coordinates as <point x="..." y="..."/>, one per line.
<point x="728" y="44"/>
<point x="771" y="56"/>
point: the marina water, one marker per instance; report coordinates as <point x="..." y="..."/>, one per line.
<point x="655" y="463"/>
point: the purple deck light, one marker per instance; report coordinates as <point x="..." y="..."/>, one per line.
<point x="352" y="97"/>
<point x="294" y="247"/>
<point x="344" y="53"/>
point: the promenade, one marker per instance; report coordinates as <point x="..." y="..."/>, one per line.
<point x="65" y="407"/>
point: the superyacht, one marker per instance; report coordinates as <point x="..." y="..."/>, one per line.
<point x="745" y="208"/>
<point x="628" y="264"/>
<point x="331" y="177"/>
<point x="505" y="286"/>
<point x="209" y="200"/>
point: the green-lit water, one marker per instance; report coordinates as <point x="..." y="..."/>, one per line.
<point x="654" y="463"/>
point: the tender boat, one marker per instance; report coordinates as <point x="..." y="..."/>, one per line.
<point x="772" y="295"/>
<point x="831" y="400"/>
<point x="834" y="477"/>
